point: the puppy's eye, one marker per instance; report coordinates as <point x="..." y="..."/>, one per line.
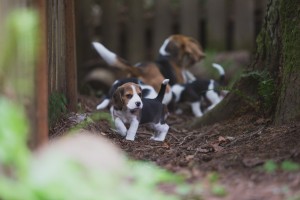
<point x="140" y="94"/>
<point x="129" y="96"/>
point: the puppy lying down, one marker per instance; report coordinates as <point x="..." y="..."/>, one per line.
<point x="129" y="107"/>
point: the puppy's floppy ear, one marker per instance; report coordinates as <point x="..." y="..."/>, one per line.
<point x="194" y="50"/>
<point x="117" y="100"/>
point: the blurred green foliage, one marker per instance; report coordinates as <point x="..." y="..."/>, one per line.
<point x="58" y="178"/>
<point x="271" y="166"/>
<point x="18" y="51"/>
<point x="57" y="107"/>
<point x="63" y="179"/>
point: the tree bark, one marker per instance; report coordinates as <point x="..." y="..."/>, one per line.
<point x="276" y="62"/>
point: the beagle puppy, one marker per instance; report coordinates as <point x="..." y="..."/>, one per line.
<point x="129" y="107"/>
<point x="197" y="90"/>
<point x="177" y="54"/>
<point x="147" y="91"/>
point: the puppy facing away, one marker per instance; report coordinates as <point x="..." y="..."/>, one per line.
<point x="147" y="91"/>
<point x="194" y="91"/>
<point x="129" y="107"/>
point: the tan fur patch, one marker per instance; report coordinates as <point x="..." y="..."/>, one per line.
<point x="151" y="75"/>
<point x="189" y="50"/>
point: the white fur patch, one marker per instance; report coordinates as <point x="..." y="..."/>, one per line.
<point x="109" y="57"/>
<point x="167" y="98"/>
<point x="212" y="96"/>
<point x="103" y="104"/>
<point x="196" y="109"/>
<point x="162" y="50"/>
<point x="121" y="128"/>
<point x="161" y="131"/>
<point x="152" y="93"/>
<point x="177" y="90"/>
<point x="219" y="68"/>
<point x="132" y="129"/>
<point x="188" y="76"/>
<point x="166" y="81"/>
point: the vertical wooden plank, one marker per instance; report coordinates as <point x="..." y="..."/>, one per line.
<point x="71" y="65"/>
<point x="189" y="18"/>
<point x="41" y="96"/>
<point x="244" y="25"/>
<point x="216" y="24"/>
<point x="162" y="23"/>
<point x="110" y="24"/>
<point x="135" y="31"/>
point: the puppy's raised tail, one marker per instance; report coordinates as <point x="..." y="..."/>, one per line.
<point x="103" y="104"/>
<point x="162" y="90"/>
<point x="114" y="60"/>
<point x="221" y="72"/>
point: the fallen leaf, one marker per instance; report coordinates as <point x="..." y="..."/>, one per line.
<point x="189" y="157"/>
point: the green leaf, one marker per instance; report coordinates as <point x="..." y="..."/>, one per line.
<point x="290" y="166"/>
<point x="219" y="190"/>
<point x="270" y="166"/>
<point x="213" y="177"/>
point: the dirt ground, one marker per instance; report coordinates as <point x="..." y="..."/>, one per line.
<point x="236" y="150"/>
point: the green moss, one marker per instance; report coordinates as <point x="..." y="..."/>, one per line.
<point x="290" y="12"/>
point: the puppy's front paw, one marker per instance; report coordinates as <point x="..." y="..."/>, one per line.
<point x="130" y="138"/>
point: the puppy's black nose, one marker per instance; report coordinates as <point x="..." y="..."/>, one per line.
<point x="138" y="103"/>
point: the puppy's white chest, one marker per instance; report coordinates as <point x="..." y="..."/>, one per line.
<point x="125" y="116"/>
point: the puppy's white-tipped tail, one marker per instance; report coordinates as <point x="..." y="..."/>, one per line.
<point x="219" y="68"/>
<point x="221" y="72"/>
<point x="166" y="81"/>
<point x="103" y="104"/>
<point x="108" y="56"/>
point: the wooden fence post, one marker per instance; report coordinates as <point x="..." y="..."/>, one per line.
<point x="110" y="24"/>
<point x="162" y="23"/>
<point x="216" y="25"/>
<point x="135" y="31"/>
<point x="244" y="25"/>
<point x="71" y="64"/>
<point x="41" y="96"/>
<point x="189" y="18"/>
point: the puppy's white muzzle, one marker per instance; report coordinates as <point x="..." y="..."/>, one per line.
<point x="135" y="103"/>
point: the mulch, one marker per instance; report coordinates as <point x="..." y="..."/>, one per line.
<point x="235" y="149"/>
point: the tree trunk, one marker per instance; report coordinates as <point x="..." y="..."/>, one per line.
<point x="271" y="84"/>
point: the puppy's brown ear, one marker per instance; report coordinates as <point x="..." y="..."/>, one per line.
<point x="195" y="51"/>
<point x="117" y="100"/>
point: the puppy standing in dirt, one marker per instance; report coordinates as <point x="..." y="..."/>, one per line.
<point x="198" y="89"/>
<point x="128" y="107"/>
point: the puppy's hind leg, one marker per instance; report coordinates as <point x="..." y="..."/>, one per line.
<point x="196" y="109"/>
<point x="214" y="98"/>
<point x="161" y="132"/>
